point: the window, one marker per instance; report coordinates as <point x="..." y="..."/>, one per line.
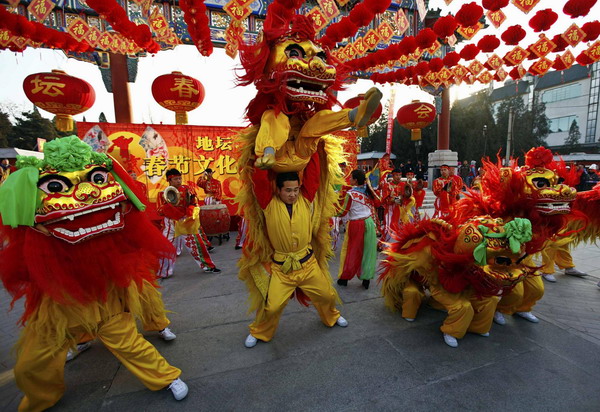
<point x="569" y="91"/>
<point x="561" y="124"/>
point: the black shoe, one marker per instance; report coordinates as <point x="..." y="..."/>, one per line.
<point x="212" y="270"/>
<point x="210" y="248"/>
<point x="366" y="283"/>
<point x="342" y="282"/>
<point x="237" y="247"/>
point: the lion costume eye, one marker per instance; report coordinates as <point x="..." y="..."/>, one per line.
<point x="541" y="182"/>
<point x="55" y="184"/>
<point x="98" y="176"/>
<point x="295" y="51"/>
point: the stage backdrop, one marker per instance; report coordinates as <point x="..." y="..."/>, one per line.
<point x="150" y="150"/>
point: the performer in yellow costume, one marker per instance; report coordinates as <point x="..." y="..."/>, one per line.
<point x="85" y="259"/>
<point x="289" y="229"/>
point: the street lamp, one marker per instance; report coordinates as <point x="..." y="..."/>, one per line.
<point x="484" y="139"/>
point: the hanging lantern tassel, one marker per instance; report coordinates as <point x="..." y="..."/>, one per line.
<point x="181" y="118"/>
<point x="63" y="122"/>
<point x="415" y="134"/>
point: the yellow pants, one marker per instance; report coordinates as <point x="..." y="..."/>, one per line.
<point x="39" y="371"/>
<point x="556" y="253"/>
<point x="412" y="296"/>
<point x="466" y="312"/>
<point x="313" y="282"/>
<point x="523" y="296"/>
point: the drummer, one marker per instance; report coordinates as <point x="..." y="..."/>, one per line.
<point x="211" y="186"/>
<point x="179" y="207"/>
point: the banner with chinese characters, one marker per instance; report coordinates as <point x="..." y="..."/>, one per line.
<point x="150" y="150"/>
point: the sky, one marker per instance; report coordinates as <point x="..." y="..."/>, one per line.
<point x="224" y="103"/>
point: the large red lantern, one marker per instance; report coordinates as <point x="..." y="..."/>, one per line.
<point x="415" y="116"/>
<point x="61" y="94"/>
<point x="179" y="93"/>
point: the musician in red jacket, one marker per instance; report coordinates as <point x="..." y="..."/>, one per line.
<point x="176" y="207"/>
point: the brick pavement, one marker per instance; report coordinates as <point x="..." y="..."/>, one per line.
<point x="209" y="312"/>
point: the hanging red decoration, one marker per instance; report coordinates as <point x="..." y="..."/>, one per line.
<point x="378" y="6"/>
<point x="408" y="45"/>
<point x="445" y="26"/>
<point x="61" y="94"/>
<point x="415" y="116"/>
<point x="469" y="14"/>
<point x="558" y="64"/>
<point x="513" y="35"/>
<point x="422" y="68"/>
<point x="425" y="38"/>
<point x="361" y="15"/>
<point x="117" y="17"/>
<point x="543" y="20"/>
<point x="194" y="15"/>
<point x="469" y="52"/>
<point x="179" y="93"/>
<point x="592" y="30"/>
<point x="578" y="8"/>
<point x="561" y="44"/>
<point x="451" y="59"/>
<point x="436" y="64"/>
<point x="583" y="59"/>
<point x="488" y="43"/>
<point x="515" y="73"/>
<point x="494" y="5"/>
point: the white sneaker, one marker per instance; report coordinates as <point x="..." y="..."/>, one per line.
<point x="166" y="334"/>
<point x="549" y="278"/>
<point x="575" y="272"/>
<point x="450" y="341"/>
<point x="341" y="322"/>
<point x="82" y="347"/>
<point x="179" y="389"/>
<point x="485" y="335"/>
<point x="250" y="341"/>
<point x="499" y="318"/>
<point x="528" y="316"/>
<point x="409" y="319"/>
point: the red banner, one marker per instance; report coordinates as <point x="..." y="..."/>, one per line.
<point x="150" y="150"/>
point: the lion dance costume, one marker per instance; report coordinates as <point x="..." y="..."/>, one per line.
<point x="76" y="246"/>
<point x="291" y="116"/>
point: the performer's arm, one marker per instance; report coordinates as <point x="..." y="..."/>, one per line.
<point x="310" y="181"/>
<point x="438" y="186"/>
<point x="219" y="190"/>
<point x="262" y="187"/>
<point x="345" y="208"/>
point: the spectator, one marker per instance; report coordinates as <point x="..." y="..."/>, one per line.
<point x="472" y="173"/>
<point x="420" y="170"/>
<point x="408" y="168"/>
<point x="593" y="173"/>
<point x="463" y="171"/>
<point x="583" y="178"/>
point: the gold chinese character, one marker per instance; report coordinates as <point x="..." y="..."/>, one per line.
<point x="225" y="165"/>
<point x="423" y="111"/>
<point x="224" y="143"/>
<point x="47" y="87"/>
<point x="204" y="143"/>
<point x="181" y="163"/>
<point x="155" y="166"/>
<point x="203" y="163"/>
<point x="184" y="87"/>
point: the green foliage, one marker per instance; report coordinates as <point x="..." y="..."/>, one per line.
<point x="5" y="128"/>
<point x="28" y="128"/>
<point x="572" y="141"/>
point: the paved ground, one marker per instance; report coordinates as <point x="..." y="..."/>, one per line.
<point x="380" y="362"/>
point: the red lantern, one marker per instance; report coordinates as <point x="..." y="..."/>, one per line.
<point x="355" y="101"/>
<point x="179" y="93"/>
<point x="61" y="94"/>
<point x="415" y="116"/>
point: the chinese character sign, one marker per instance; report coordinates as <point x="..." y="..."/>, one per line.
<point x="150" y="150"/>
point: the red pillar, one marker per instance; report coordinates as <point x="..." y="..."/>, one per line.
<point x="443" y="142"/>
<point x="120" y="88"/>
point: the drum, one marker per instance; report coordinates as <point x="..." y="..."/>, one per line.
<point x="214" y="219"/>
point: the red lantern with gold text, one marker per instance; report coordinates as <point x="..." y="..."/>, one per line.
<point x="354" y="102"/>
<point x="179" y="93"/>
<point x="415" y="116"/>
<point x="61" y="94"/>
